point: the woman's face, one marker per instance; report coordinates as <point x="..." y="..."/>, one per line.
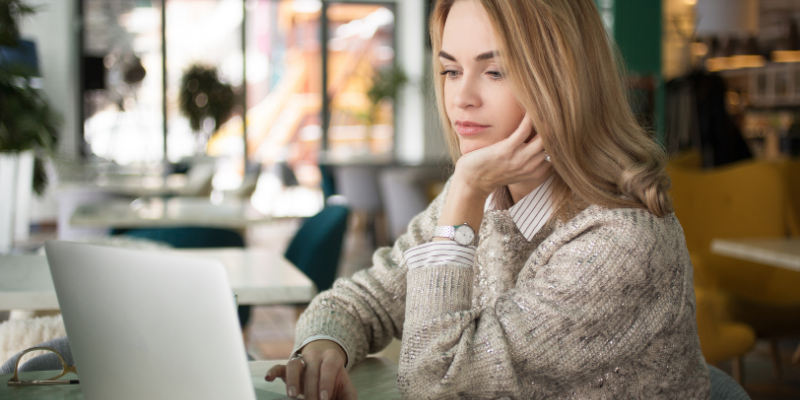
<point x="479" y="101"/>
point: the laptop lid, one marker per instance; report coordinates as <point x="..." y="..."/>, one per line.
<point x="149" y="325"/>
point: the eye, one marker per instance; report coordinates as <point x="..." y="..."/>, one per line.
<point x="495" y="75"/>
<point x="451" y="73"/>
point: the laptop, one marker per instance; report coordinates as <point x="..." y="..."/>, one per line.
<point x="149" y="325"/>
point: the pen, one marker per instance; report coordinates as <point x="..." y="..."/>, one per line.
<point x="32" y="383"/>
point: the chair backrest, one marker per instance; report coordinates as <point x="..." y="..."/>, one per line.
<point x="744" y="200"/>
<point x="747" y="199"/>
<point x="792" y="175"/>
<point x="316" y="247"/>
<point x="359" y="184"/>
<point x="723" y="387"/>
<point x="190" y="237"/>
<point x="403" y="197"/>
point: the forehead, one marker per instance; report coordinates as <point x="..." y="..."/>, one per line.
<point x="467" y="31"/>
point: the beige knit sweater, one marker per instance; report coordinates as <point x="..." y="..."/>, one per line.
<point x="599" y="307"/>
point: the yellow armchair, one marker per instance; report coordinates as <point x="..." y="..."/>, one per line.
<point x="744" y="200"/>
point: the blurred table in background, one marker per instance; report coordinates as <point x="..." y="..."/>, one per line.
<point x="777" y="252"/>
<point x="257" y="276"/>
<point x="186" y="211"/>
<point x="176" y="211"/>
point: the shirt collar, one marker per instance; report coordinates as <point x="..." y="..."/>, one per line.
<point x="532" y="212"/>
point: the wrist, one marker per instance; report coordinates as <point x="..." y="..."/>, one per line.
<point x="322" y="345"/>
<point x="464" y="204"/>
<point x="466" y="190"/>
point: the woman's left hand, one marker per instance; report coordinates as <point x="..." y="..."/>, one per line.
<point x="319" y="375"/>
<point x="518" y="158"/>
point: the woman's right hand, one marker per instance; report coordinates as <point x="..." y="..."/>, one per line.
<point x="323" y="377"/>
<point x="517" y="158"/>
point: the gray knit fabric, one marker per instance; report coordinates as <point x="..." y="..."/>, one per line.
<point x="44" y="362"/>
<point x="601" y="306"/>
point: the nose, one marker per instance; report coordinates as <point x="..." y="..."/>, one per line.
<point x="467" y="94"/>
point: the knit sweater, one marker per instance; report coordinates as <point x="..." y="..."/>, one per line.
<point x="601" y="306"/>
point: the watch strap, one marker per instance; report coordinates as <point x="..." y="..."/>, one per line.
<point x="449" y="232"/>
<point x="444" y="231"/>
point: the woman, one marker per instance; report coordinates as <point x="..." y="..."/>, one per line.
<point x="580" y="285"/>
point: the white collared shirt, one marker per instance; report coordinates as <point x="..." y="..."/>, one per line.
<point x="529" y="214"/>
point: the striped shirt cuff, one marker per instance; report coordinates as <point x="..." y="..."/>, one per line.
<point x="440" y="252"/>
<point x="326" y="337"/>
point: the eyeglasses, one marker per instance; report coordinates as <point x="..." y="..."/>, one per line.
<point x="15" y="381"/>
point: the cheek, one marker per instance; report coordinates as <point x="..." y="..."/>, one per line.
<point x="509" y="112"/>
<point x="448" y="98"/>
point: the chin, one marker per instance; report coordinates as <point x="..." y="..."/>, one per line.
<point x="470" y="147"/>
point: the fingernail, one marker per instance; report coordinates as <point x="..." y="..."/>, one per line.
<point x="292" y="391"/>
<point x="323" y="395"/>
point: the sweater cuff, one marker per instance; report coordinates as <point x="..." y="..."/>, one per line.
<point x="325" y="337"/>
<point x="438" y="253"/>
<point x="438" y="290"/>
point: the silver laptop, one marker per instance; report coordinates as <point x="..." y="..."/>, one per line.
<point x="149" y="325"/>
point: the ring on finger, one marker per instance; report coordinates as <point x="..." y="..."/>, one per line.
<point x="299" y="357"/>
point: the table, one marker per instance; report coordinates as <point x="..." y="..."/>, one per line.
<point x="231" y="213"/>
<point x="776" y="252"/>
<point x="131" y="185"/>
<point x="374" y="378"/>
<point x="257" y="276"/>
<point x="176" y="211"/>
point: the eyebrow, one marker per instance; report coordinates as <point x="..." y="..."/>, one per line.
<point x="481" y="57"/>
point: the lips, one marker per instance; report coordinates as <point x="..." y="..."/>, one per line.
<point x="466" y="128"/>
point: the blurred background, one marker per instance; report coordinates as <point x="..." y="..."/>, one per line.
<point x="255" y="115"/>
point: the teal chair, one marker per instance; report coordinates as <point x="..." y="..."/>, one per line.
<point x="190" y="237"/>
<point x="317" y="245"/>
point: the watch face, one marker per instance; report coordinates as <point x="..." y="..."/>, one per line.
<point x="464" y="235"/>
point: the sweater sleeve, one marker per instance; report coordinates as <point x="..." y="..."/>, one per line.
<point x="593" y="301"/>
<point x="365" y="312"/>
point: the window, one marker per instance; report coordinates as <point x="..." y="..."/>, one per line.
<point x="267" y="53"/>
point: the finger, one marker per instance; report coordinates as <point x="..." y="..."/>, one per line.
<point x="533" y="148"/>
<point x="278" y="371"/>
<point x="311" y="376"/>
<point x="332" y="366"/>
<point x="294" y="369"/>
<point x="524" y="159"/>
<point x="523" y="132"/>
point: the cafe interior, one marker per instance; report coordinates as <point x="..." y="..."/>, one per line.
<point x="291" y="138"/>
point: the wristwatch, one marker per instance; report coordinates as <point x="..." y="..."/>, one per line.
<point x="461" y="234"/>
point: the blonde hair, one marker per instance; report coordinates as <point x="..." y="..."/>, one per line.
<point x="565" y="73"/>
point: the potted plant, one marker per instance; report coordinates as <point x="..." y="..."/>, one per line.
<point x="28" y="126"/>
<point x="206" y="100"/>
<point x="386" y="84"/>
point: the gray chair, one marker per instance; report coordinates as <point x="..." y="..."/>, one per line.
<point x="723" y="387"/>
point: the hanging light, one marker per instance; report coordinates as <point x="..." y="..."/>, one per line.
<point x="727" y="18"/>
<point x="791" y="47"/>
<point x="745" y="55"/>
<point x="734" y="23"/>
<point x="718" y="55"/>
